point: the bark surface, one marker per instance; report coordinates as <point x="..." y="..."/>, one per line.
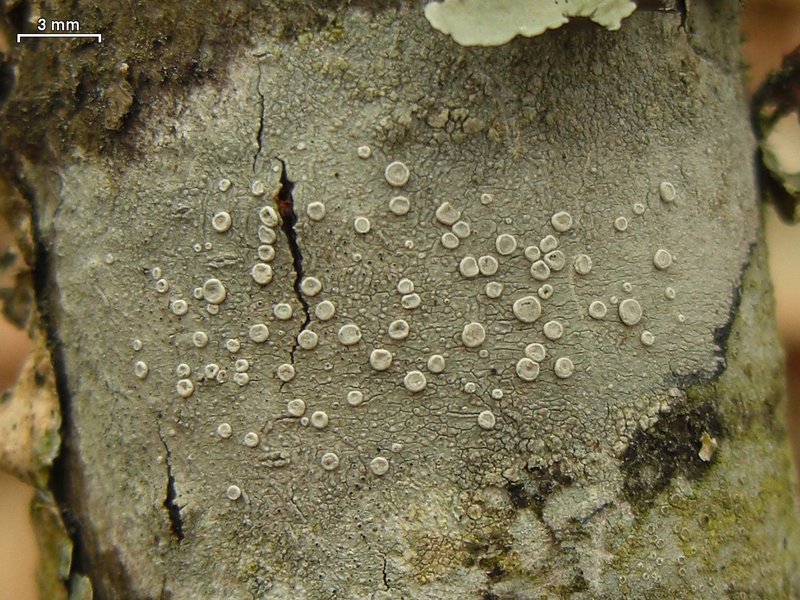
<point x="355" y="312"/>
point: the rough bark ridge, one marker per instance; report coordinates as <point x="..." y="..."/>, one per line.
<point x="370" y="315"/>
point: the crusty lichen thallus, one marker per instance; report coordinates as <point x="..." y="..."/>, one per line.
<point x="495" y="22"/>
<point x="395" y="353"/>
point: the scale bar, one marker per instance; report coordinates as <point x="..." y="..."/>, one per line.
<point x="99" y="36"/>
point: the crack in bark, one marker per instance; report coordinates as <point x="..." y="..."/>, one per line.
<point x="285" y="204"/>
<point x="721" y="335"/>
<point x="170" y="502"/>
<point x="385" y="577"/>
<point x="683" y="8"/>
<point x="596" y="511"/>
<point x="65" y="481"/>
<point x="385" y="562"/>
<point x="261" y="120"/>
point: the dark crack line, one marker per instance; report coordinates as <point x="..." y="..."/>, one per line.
<point x="385" y="576"/>
<point x="385" y="561"/>
<point x="285" y="204"/>
<point x="68" y="473"/>
<point x="170" y="502"/>
<point x="586" y="518"/>
<point x="722" y="335"/>
<point x="261" y="119"/>
<point x="683" y="8"/>
<point x="65" y="473"/>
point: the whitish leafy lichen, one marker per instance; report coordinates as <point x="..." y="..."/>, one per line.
<point x="495" y="22"/>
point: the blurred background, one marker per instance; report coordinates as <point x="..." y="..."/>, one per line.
<point x="771" y="29"/>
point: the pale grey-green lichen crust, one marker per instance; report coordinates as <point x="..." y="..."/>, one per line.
<point x="472" y="314"/>
<point x="495" y="22"/>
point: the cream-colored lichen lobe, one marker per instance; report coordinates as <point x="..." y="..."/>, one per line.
<point x="495" y="22"/>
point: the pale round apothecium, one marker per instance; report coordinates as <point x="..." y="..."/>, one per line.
<point x="447" y="214"/>
<point x="527" y="369"/>
<point x="630" y="311"/>
<point x="405" y="286"/>
<point x="473" y="335"/>
<point x="259" y="333"/>
<point x="536" y="351"/>
<point x="399" y="205"/>
<point x="307" y="339"/>
<point x="468" y="267"/>
<point x="266" y="252"/>
<point x="296" y="407"/>
<point x="282" y="311"/>
<point x="436" y="363"/>
<point x="261" y="273"/>
<point x="329" y="461"/>
<point x="213" y="291"/>
<point x="325" y="310"/>
<point x="415" y="381"/>
<point x="399" y="329"/>
<point x="311" y="286"/>
<point x="319" y="419"/>
<point x="486" y="420"/>
<point x="221" y="222"/>
<point x="200" y="339"/>
<point x="505" y="244"/>
<point x="266" y="234"/>
<point x="527" y="309"/>
<point x="450" y="240"/>
<point x="397" y="174"/>
<point x="362" y="225"/>
<point x="355" y="397"/>
<point x="316" y="211"/>
<point x="380" y="359"/>
<point x="349" y="334"/>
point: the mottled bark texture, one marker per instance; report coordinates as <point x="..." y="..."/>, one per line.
<point x="537" y="359"/>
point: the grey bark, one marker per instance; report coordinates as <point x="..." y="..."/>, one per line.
<point x="654" y="467"/>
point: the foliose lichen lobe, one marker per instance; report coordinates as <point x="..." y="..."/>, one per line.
<point x="495" y="22"/>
